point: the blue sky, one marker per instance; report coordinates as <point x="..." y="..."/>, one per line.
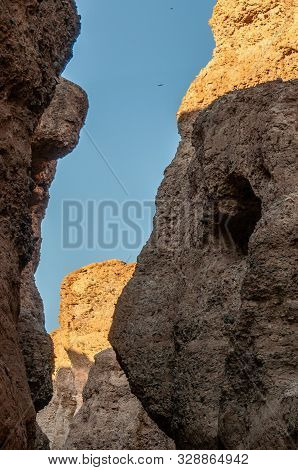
<point x="126" y="49"/>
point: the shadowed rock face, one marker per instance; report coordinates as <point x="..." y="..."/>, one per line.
<point x="206" y="330"/>
<point x="36" y="40"/>
<point x="57" y="135"/>
<point x="111" y="417"/>
<point x="54" y="419"/>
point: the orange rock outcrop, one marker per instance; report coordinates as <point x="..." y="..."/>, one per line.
<point x="88" y="299"/>
<point x="92" y="406"/>
<point x="256" y="42"/>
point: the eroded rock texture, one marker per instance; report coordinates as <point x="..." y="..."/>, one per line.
<point x="255" y="43"/>
<point x="206" y="330"/>
<point x="88" y="298"/>
<point x="36" y="40"/>
<point x="112" y="418"/>
<point x="57" y="134"/>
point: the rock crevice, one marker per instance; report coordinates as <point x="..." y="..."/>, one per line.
<point x="92" y="406"/>
<point x="206" y="330"/>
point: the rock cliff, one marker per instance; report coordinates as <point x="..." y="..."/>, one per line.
<point x="57" y="134"/>
<point x="206" y="330"/>
<point x="36" y="42"/>
<point x="110" y="416"/>
<point x="255" y="43"/>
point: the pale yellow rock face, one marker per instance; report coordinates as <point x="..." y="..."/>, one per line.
<point x="256" y="42"/>
<point x="88" y="299"/>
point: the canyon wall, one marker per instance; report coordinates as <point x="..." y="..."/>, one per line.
<point x="56" y="135"/>
<point x="112" y="418"/>
<point x="92" y="406"/>
<point x="36" y="43"/>
<point x="206" y="330"/>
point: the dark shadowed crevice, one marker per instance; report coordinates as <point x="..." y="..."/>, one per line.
<point x="239" y="211"/>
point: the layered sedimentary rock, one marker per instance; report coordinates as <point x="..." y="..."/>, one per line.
<point x="36" y="41"/>
<point x="110" y="417"/>
<point x="206" y="330"/>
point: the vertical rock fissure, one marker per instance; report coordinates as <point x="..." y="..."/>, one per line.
<point x="230" y="367"/>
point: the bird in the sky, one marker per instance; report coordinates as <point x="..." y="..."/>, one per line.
<point x="161" y="84"/>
